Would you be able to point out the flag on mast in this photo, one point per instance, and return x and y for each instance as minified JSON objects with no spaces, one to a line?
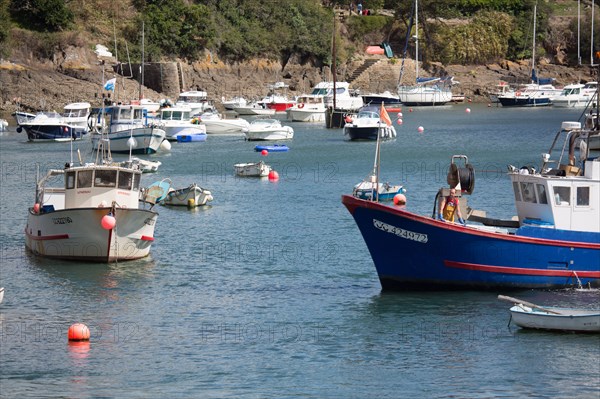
{"x":110,"y":84}
{"x":383,"y":115}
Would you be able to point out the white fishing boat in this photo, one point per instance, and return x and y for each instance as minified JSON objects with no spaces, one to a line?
{"x":268,"y":129}
{"x":177,"y":121}
{"x":94,"y":213}
{"x":130,"y":130}
{"x":308,"y":108}
{"x":255,"y":169}
{"x":576,"y":95}
{"x":528,"y":315}
{"x":197,"y":100}
{"x":190,"y":196}
{"x":216,"y":124}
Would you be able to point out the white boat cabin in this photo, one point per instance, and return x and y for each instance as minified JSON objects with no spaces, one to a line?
{"x":125,"y":117}
{"x":176,"y":114}
{"x":90,"y":186}
{"x":565,"y":196}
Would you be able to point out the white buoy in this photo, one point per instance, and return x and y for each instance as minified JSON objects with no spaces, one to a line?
{"x":165,"y":145}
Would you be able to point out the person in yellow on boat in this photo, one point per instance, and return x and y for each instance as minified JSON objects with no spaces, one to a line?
{"x":449,"y":207}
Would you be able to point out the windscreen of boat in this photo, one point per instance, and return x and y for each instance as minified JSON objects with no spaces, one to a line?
{"x":105,"y":178}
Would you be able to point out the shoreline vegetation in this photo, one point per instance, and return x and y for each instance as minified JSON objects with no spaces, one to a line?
{"x":46,"y":68}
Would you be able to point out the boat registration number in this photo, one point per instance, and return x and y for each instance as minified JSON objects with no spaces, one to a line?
{"x":407,"y":234}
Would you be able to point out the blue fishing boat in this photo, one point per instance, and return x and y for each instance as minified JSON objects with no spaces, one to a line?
{"x":554,"y":242}
{"x":272,"y":148}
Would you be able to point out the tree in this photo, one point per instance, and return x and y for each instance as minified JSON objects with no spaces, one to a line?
{"x":42,"y":15}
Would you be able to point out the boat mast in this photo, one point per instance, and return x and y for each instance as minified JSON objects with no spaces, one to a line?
{"x":141,"y":94}
{"x":579,"y":30}
{"x":416,"y":40}
{"x":333,"y":63}
{"x":533,"y":51}
{"x":592,"y":36}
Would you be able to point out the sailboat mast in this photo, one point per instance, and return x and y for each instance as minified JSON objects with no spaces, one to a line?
{"x":333,"y":62}
{"x":533,"y":51}
{"x":416,"y":39}
{"x":142,"y":65}
{"x":579,"y":30}
{"x":592,"y":36}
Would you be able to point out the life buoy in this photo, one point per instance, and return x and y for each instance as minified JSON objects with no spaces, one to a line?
{"x":300,"y":105}
{"x":518,"y":93}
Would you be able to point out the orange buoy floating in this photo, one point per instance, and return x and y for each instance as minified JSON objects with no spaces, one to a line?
{"x":410,"y":110}
{"x":264,"y":153}
{"x":468,"y":110}
{"x":400,"y":115}
{"x":420,"y":129}
{"x":36,"y":207}
{"x":273,"y":175}
{"x":79,"y":332}
{"x":399,"y":199}
{"x":108,"y":222}
{"x":399,"y":121}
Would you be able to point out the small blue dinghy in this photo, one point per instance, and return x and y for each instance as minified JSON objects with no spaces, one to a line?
{"x":272,"y":148}
{"x":188,"y":138}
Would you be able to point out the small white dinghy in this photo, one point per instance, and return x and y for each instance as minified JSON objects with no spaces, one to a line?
{"x":528,"y":315}
{"x":191,"y":196}
{"x":256,"y":169}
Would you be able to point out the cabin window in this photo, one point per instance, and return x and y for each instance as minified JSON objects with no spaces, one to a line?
{"x":583,"y":196}
{"x":125,"y":113}
{"x":562,"y":195}
{"x":176,"y":115}
{"x":125,"y":180}
{"x":136,"y":181}
{"x":138,"y":113}
{"x":528,"y":192}
{"x":70,"y":181}
{"x":105,"y":178}
{"x":84,"y":179}
{"x":541,"y":192}
{"x":517,"y":192}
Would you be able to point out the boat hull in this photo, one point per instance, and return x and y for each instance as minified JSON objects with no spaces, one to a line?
{"x":424,"y":96}
{"x":53,"y":132}
{"x":258,"y":169}
{"x":525,"y":101}
{"x":190,"y":196}
{"x":147,"y":140}
{"x":306,"y":115}
{"x":269,"y":135}
{"x":77,"y":234}
{"x":573,"y":320}
{"x":416,"y":252}
{"x":369,"y":132}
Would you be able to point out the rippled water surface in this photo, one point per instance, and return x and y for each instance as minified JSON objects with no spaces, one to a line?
{"x":271,"y":291}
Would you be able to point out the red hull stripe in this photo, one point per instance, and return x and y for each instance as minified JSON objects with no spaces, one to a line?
{"x":44,"y":238}
{"x":523,"y":271}
{"x":147,"y":238}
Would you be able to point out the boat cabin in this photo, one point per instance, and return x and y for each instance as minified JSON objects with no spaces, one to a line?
{"x":90,"y":186}
{"x":565,"y":195}
{"x":77,"y":110}
{"x":176,"y":114}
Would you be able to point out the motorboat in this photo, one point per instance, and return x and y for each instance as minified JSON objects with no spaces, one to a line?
{"x":531,"y":316}
{"x":216,"y":124}
{"x":22,"y":116}
{"x":253,"y":169}
{"x":553,"y":242}
{"x":129,"y":129}
{"x":308,"y":108}
{"x":277,"y":98}
{"x":254,"y":108}
{"x":367,"y":125}
{"x":233,"y":102}
{"x":339,"y":102}
{"x":388,"y":99}
{"x":72,"y":124}
{"x":197,"y":100}
{"x":190,"y":196}
{"x":96,"y":212}
{"x":372,"y":191}
{"x":529,"y":95}
{"x":268,"y":129}
{"x":177,"y":121}
{"x":576,"y":95}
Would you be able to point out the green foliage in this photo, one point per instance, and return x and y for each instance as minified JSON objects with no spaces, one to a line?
{"x":359,"y":27}
{"x":42,"y":15}
{"x":483,"y":40}
{"x":4,"y":17}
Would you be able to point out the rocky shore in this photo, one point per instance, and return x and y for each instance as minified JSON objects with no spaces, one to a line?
{"x":77,"y":75}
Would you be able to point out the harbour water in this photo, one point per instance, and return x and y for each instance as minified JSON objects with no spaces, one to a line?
{"x":270,"y":291}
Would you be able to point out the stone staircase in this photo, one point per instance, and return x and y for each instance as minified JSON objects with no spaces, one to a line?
{"x":368,"y":63}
